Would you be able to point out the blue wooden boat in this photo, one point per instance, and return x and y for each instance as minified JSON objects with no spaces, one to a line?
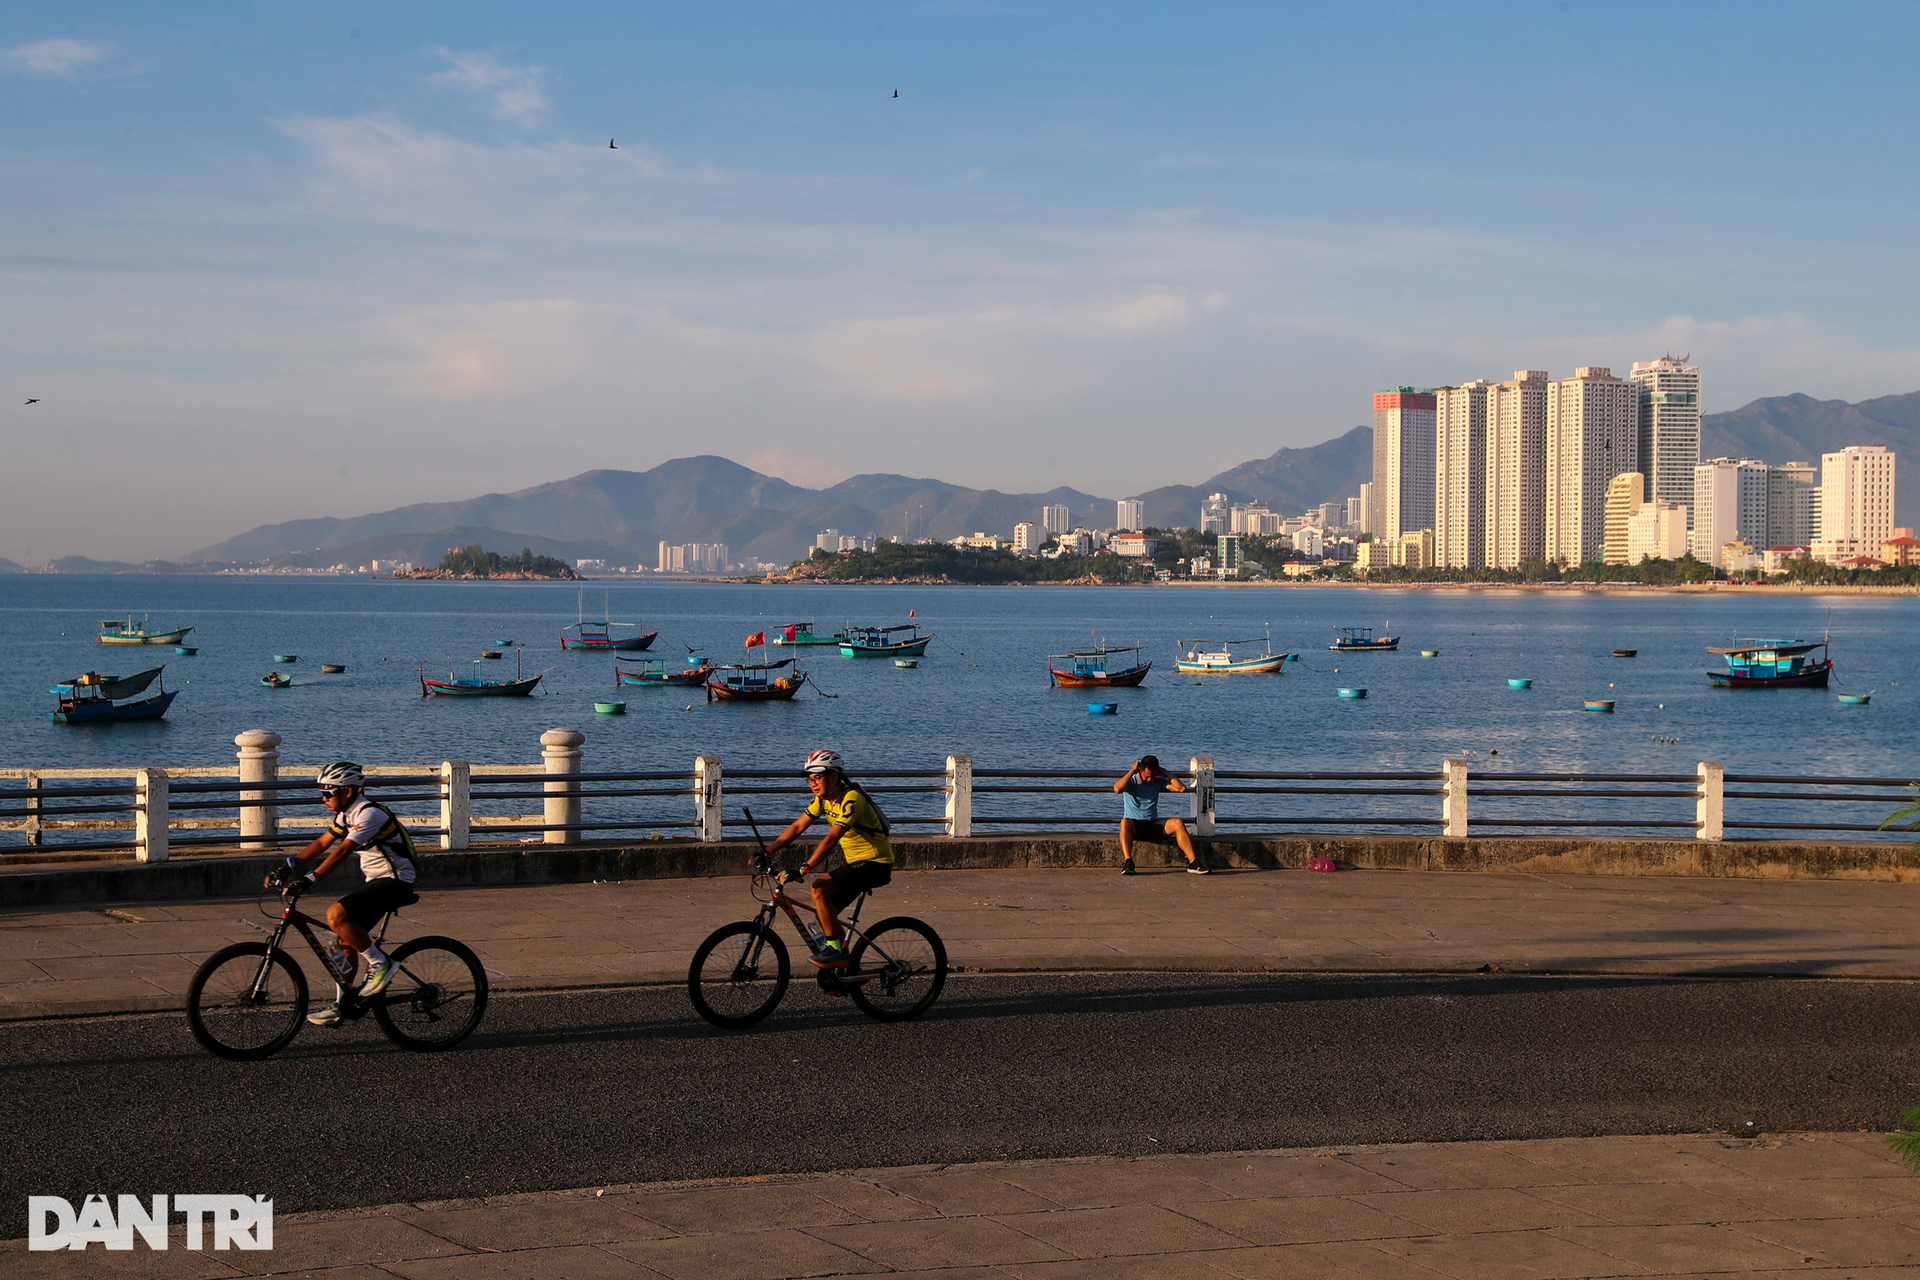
{"x":1362,"y":640}
{"x":1773,"y":664}
{"x":477,"y":687}
{"x":878,"y":642}
{"x":131,"y":632}
{"x":277,"y":680}
{"x":1855,"y":699}
{"x":96,"y":699}
{"x":801,"y":634}
{"x":1351,"y":693}
{"x":1090,"y":669}
{"x":654,"y":672}
{"x":755,"y":682}
{"x":1520,"y":684}
{"x":186,"y":650}
{"x":582,"y":634}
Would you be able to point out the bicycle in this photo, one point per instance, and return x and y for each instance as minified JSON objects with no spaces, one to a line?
{"x":248,"y":1001}
{"x":727,"y":986}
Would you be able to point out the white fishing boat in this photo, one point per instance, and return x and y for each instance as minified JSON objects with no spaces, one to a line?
{"x":1199,"y":657}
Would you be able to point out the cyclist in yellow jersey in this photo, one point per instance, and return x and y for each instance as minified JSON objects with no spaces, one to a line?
{"x":855,"y":825}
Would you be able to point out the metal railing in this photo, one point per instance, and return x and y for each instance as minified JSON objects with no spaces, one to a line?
{"x":151,"y":811}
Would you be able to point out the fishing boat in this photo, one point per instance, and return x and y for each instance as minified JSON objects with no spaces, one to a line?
{"x":115,"y":631}
{"x":582,"y":634}
{"x":1362,"y":640}
{"x":1094,"y":668}
{"x":755,"y":681}
{"x":879,"y":642}
{"x":1626,"y":653}
{"x":96,"y":699}
{"x":276,"y":680}
{"x":656,"y":673}
{"x":1599,"y":704}
{"x":1773,"y":664}
{"x":801,"y":634}
{"x":1229,"y":656}
{"x":475,"y":686}
{"x":333,"y":668}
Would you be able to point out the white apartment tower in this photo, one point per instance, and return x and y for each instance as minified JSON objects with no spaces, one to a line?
{"x":1591,"y":433}
{"x":1856,"y":501}
{"x":1460,"y":475}
{"x":1213,"y":513}
{"x":1515,"y":494}
{"x":1055,"y":519}
{"x":1130,"y":515}
{"x":1668,"y":444}
{"x":1790,"y":505}
{"x":1027,"y":538}
{"x":1730,"y":502}
{"x":1403,"y":465}
{"x":1624,"y":501}
{"x":1361,"y":508}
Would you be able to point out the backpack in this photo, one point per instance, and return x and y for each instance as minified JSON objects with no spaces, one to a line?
{"x":886,"y":823}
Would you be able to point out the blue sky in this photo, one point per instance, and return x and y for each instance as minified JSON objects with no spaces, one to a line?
{"x":270,"y":261}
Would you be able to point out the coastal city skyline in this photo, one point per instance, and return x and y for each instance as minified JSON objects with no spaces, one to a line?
{"x":317,"y":265}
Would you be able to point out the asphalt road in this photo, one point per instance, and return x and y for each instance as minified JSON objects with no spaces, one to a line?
{"x":605,"y":1088}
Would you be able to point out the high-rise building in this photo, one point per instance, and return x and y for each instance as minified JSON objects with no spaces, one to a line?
{"x":673,"y":559}
{"x":1590,"y":440}
{"x":1403,"y":460}
{"x":1790,"y":506}
{"x":1624,"y":500}
{"x":1226,"y":558}
{"x":1130,"y":515}
{"x":1516,"y":486}
{"x":1856,"y":502}
{"x":1360,"y":509}
{"x":1460,"y":475}
{"x":1657,"y":531}
{"x":1310,"y":542}
{"x":1055,"y":519}
{"x":1355,"y":519}
{"x":1331,"y":514}
{"x":1244,"y":517}
{"x":1730,"y":505}
{"x":1667,"y":434}
{"x":1214,"y":513}
{"x":1027,"y":538}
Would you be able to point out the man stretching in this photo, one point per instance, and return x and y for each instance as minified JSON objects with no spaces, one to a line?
{"x":386,"y":860}
{"x":855,"y":825}
{"x":1139,"y":789}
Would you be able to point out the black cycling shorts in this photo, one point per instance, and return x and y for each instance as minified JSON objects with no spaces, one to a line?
{"x":366,"y":906}
{"x":854,"y":879}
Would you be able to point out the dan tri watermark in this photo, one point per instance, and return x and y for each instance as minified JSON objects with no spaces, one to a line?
{"x":239,"y":1222}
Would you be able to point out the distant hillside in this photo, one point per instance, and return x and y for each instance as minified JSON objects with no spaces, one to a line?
{"x":1789,"y":428}
{"x":8,"y":566}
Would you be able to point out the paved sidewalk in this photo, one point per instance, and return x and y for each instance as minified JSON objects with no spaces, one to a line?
{"x":1804,"y":1205}
{"x":140,"y":956}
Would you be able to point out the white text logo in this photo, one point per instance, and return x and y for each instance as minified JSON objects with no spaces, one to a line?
{"x":239,"y":1222}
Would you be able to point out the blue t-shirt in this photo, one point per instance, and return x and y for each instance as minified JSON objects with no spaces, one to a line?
{"x":1141,"y":800}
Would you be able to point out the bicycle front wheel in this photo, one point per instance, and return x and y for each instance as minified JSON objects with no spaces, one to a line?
{"x":246,"y":1002}
{"x":911,"y":962}
{"x":437,"y":996}
{"x":738,"y":975}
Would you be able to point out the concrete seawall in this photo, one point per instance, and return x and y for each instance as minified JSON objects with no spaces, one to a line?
{"x":234,"y":874}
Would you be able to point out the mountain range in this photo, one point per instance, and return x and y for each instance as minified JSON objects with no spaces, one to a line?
{"x":621,"y":516}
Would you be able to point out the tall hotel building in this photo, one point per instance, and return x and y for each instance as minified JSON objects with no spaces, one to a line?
{"x":1460,"y":476}
{"x":1591,"y":438}
{"x":1856,"y":502}
{"x":1668,"y":435}
{"x":1515,"y":494}
{"x":1130,"y":515}
{"x":1402,"y":495}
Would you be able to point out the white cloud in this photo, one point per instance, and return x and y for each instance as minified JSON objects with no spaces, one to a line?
{"x":54,"y":57}
{"x":498,"y":348}
{"x":517,"y":92}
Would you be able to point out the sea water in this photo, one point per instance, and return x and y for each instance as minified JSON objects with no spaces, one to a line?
{"x":982,"y":688}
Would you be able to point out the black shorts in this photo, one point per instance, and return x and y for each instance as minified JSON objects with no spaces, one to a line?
{"x":854,"y":879}
{"x":1151,"y":830}
{"x":366,"y":906}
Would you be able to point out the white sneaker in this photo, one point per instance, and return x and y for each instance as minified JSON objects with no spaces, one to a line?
{"x":377,"y":978}
{"x":325,"y":1016}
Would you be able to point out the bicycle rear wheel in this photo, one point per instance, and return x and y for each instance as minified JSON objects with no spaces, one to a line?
{"x":243,"y":1006}
{"x":738,"y":975}
{"x":912,"y":963}
{"x":437,"y":996}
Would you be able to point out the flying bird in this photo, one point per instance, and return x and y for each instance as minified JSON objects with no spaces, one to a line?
{"x":896,"y":93}
{"x":610,"y":145}
{"x":35,"y":400}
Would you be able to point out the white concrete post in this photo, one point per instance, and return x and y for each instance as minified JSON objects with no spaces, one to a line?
{"x":1710,"y":810}
{"x":1202,"y":795}
{"x":33,"y":807}
{"x":259,"y":762}
{"x":150,"y":824}
{"x":560,"y":749}
{"x":1454,"y":807}
{"x":456,"y":803}
{"x":959,"y":795}
{"x":707,"y":796}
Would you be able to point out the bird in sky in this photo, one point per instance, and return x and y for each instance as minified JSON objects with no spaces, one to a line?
{"x":35,"y":400}
{"x":610,"y":145}
{"x":896,"y":93}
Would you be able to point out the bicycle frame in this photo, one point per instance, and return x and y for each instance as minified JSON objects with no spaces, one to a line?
{"x":292,"y":917}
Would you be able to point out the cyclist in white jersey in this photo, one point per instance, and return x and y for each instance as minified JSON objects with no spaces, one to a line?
{"x":386,"y":860}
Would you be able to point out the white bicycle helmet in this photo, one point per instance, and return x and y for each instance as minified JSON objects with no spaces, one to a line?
{"x":824,"y":759}
{"x":341,"y":773}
